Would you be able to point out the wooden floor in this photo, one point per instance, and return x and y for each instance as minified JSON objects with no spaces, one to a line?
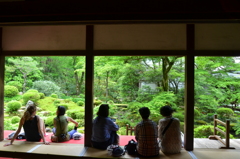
{"x":214,"y":144}
{"x":203,"y":149}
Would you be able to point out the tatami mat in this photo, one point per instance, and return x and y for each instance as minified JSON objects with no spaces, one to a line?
{"x":60,"y":149}
{"x":18,"y":146}
{"x":216,"y":153}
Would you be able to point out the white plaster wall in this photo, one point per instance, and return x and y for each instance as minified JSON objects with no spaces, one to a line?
{"x":62,"y":37}
{"x":140,"y":37}
{"x":217,"y":36}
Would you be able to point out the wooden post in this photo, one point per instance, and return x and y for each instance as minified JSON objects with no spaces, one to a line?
{"x":89,"y":86}
{"x":127,"y":129}
{"x":2,"y":64}
{"x":215,"y":125}
{"x":227,"y":133}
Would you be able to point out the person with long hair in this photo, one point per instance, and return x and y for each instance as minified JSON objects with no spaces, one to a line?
{"x":104,"y":129}
{"x":60,"y":129}
{"x":33,"y":126}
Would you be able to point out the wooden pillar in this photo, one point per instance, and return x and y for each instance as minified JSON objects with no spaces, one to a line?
{"x":89,"y":86}
{"x":1,"y":89}
{"x":189,"y":89}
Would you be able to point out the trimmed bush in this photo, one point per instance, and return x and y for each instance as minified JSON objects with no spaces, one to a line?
{"x":13,"y":106}
{"x":16,"y":84}
{"x":15,"y":120}
{"x":46,"y":87}
{"x":64,"y":104}
{"x":97,"y":102}
{"x":75,"y":114}
{"x":9,"y":126}
{"x":57,"y":102}
{"x":80,"y":103}
{"x":10,"y":91}
{"x":31,"y":95}
{"x":225,"y":112}
{"x":42,"y":95}
{"x":53,"y":95}
{"x":49,"y":121}
{"x":67,"y":100}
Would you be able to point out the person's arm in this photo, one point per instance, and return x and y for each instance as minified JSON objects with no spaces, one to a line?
{"x":40,"y":124}
{"x":17,"y":132}
{"x":160,"y":130}
{"x":73,"y":121}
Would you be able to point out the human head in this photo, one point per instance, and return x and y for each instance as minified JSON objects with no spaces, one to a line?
{"x":30,"y":111}
{"x":103,"y":110}
{"x":166,"y":110}
{"x":144,"y":112}
{"x":61,"y":110}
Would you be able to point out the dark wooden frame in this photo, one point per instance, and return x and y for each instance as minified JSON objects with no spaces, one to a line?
{"x":189,"y":54}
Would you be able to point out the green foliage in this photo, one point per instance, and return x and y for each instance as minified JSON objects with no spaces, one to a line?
{"x":97,"y":102}
{"x":53,"y":95}
{"x":196,"y":113}
{"x":162,"y":99}
{"x":71,"y":126}
{"x":75,"y":100}
{"x":180,"y":116}
{"x":16,"y":84}
{"x":64,"y":105}
{"x":75,"y":114}
{"x":204,"y":131}
{"x":42,"y":95}
{"x":236,"y":127}
{"x":49,"y":121}
{"x":57,"y":102}
{"x":15,"y":120}
{"x":134,"y":107}
{"x":225,"y":112}
{"x":46,"y":87}
{"x":10,"y":91}
{"x":17,"y":98}
{"x":32,"y":95}
{"x":67,"y":100}
{"x":80,"y":103}
{"x":201,"y":122}
{"x":9,"y":126}
{"x":13,"y":106}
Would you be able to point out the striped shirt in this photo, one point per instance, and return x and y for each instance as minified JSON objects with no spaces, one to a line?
{"x":146,"y":134}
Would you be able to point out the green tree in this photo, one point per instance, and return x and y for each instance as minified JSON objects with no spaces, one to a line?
{"x":26,"y":65}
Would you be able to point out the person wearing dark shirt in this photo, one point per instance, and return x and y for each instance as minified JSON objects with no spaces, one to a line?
{"x":104,"y":129}
{"x":32,"y":125}
{"x":146,"y":134}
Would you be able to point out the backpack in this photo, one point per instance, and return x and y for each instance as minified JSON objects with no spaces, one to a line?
{"x":131,"y":147}
{"x":115,"y":151}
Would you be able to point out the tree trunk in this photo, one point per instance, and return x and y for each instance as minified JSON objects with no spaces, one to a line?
{"x":77,"y":83}
{"x":81,"y":82}
{"x":107,"y":83}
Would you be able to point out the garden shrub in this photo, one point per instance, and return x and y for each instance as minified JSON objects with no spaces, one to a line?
{"x":179,"y":116}
{"x":33,"y":90}
{"x":49,"y":121}
{"x":64,"y":105}
{"x":124,"y":122}
{"x":196,"y":113}
{"x":46,"y":87}
{"x":15,"y":120}
{"x":75,"y":114}
{"x":67,"y":100}
{"x":53,"y":95}
{"x":42,"y":95}
{"x":225,"y":112}
{"x":71,"y":126}
{"x":9,"y":126}
{"x":201,"y":122}
{"x":97,"y":102}
{"x":75,"y":100}
{"x":162,"y":99}
{"x":134,"y":107}
{"x":10,"y":91}
{"x":17,"y":97}
{"x":16,"y":84}
{"x":32,"y":95}
{"x":57,"y":102}
{"x":80,"y":103}
{"x":13,"y":106}
{"x":204,"y":131}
